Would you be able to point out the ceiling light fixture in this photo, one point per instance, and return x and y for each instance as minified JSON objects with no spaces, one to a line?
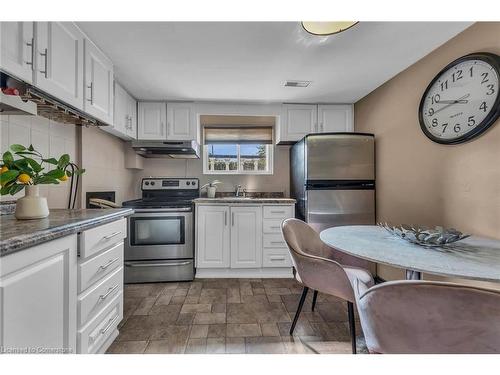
{"x":297,"y":83}
{"x":327,"y":28}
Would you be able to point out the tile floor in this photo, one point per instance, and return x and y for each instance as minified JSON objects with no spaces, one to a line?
{"x":230,"y":316}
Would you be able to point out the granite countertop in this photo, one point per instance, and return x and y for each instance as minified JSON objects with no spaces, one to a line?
{"x":17,"y":235}
{"x":232,"y":200}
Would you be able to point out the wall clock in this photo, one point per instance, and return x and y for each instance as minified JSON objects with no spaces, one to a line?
{"x":462,"y":101}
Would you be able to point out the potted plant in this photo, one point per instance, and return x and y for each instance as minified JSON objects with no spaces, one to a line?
{"x":211,"y":188}
{"x":25,"y":168}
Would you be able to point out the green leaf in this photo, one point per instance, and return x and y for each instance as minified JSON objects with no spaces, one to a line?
{"x":8,"y":176}
{"x":7,"y":157}
{"x":16,"y":188}
{"x":52,"y":161}
{"x":27,"y":153}
{"x":31,"y":148}
{"x":55,"y":173}
{"x":5,"y":190}
{"x":68,"y":173}
{"x":79,"y":172}
{"x":36,"y":167}
{"x":17,"y":148}
{"x":23,"y":164}
{"x":63,"y":161}
{"x":47,"y":180}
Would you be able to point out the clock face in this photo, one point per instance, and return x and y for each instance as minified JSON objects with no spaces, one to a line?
{"x":463,"y":100}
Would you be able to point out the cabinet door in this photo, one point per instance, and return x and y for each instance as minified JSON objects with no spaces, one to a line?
{"x":98,"y":84}
{"x":246,"y":237}
{"x":132,"y":111}
{"x":151,"y":120}
{"x":38,"y":296}
{"x":17,"y":50}
{"x":298,"y":120}
{"x":180,"y":122}
{"x":335,"y":118}
{"x":59,"y":61}
{"x":121,"y":110}
{"x":212,"y":237}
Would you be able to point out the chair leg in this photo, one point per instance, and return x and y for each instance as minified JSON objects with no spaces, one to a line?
{"x":352,"y":325}
{"x":315,"y":296}
{"x":299,"y":309}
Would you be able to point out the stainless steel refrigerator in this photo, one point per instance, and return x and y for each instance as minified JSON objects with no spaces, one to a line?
{"x":333,"y":179}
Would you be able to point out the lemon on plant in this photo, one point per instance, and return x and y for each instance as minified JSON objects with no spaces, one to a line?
{"x":24,"y":178}
{"x":4,"y":169}
{"x":63,"y":178}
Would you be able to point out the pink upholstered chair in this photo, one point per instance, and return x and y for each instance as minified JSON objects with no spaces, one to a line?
{"x":315,"y":268}
{"x":429,"y":317}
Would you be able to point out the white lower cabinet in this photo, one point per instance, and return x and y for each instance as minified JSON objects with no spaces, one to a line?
{"x":38,"y":298}
{"x":233,"y":240}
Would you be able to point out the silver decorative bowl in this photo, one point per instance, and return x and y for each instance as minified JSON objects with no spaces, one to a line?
{"x":425,"y":236}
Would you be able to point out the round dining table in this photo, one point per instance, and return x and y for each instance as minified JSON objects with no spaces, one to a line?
{"x":476,"y":258}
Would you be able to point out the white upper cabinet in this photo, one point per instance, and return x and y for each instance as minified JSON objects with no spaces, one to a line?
{"x":297,"y":120}
{"x":125,"y":114}
{"x":246,"y":237}
{"x":335,"y":118}
{"x":180,"y":122}
{"x":212,"y":237}
{"x":59,"y":61}
{"x":151,"y":121}
{"x":98,"y":84}
{"x":17,"y":50}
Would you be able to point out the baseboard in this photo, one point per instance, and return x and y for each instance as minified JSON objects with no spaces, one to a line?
{"x":240,"y":273}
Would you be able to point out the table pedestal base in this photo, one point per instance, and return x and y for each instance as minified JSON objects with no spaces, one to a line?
{"x":413,"y":275}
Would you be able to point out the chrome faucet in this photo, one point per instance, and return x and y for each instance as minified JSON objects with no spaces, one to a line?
{"x":238,"y":191}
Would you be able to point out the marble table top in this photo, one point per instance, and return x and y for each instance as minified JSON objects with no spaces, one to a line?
{"x":16,"y":235}
{"x":475,"y":258}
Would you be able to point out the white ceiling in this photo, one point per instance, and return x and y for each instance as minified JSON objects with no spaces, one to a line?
{"x":249,"y":61}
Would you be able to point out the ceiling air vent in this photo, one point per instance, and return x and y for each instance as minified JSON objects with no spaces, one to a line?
{"x":297,"y":83}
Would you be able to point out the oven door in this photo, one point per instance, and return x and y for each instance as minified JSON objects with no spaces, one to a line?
{"x":160,"y":234}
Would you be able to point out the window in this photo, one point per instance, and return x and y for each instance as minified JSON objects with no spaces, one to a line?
{"x":242,"y":150}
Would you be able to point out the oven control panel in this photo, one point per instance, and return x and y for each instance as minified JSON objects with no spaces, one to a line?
{"x":158,"y":183}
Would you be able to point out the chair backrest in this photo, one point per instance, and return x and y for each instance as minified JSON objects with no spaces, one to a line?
{"x":312,"y":261}
{"x":429,"y":317}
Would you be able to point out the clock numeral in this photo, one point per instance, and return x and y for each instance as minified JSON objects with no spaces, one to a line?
{"x":435,"y":98}
{"x":431,"y":111}
{"x":457,"y":75}
{"x":471,"y":121}
{"x":445,"y":125}
{"x":485,"y":77}
{"x":434,"y":123}
{"x":470,"y":70}
{"x":483,"y":106}
{"x":457,"y":128}
{"x":444,"y":85}
{"x":491,"y":89}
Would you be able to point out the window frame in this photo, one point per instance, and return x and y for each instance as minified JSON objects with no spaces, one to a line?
{"x":239,"y":171}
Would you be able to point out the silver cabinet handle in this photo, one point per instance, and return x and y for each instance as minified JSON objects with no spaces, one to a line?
{"x":166,"y":264}
{"x":168,"y":127}
{"x":225,"y":218}
{"x":112,"y":235}
{"x":44,"y":54}
{"x":31,"y":44}
{"x":276,"y":258}
{"x":162,"y":124}
{"x":321,"y":127}
{"x":277,"y":242}
{"x":274,"y":227}
{"x":105,"y":329}
{"x":91,"y":87}
{"x":102,"y":297}
{"x":103,"y":267}
{"x":232,"y":219}
{"x":277,"y":212}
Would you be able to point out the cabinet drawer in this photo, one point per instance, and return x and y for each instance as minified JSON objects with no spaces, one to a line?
{"x":96,"y":268}
{"x":94,"y":334}
{"x":278,"y":212}
{"x":91,"y":302}
{"x":272,"y":225}
{"x":96,"y":239}
{"x":278,"y":257}
{"x":274,"y":240}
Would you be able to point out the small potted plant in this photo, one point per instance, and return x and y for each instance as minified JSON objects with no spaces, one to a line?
{"x":25,"y":168}
{"x":211,"y":188}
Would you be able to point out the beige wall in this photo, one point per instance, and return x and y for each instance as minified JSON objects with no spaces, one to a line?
{"x":419,"y":181}
{"x":278,"y":181}
{"x":103,"y":157}
{"x":52,"y":139}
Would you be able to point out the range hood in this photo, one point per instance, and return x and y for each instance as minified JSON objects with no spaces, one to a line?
{"x":165,"y":149}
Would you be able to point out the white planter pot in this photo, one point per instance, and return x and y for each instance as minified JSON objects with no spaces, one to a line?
{"x":31,"y":206}
{"x":211,"y":191}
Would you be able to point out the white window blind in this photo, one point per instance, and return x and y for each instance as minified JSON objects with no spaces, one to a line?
{"x":238,"y":135}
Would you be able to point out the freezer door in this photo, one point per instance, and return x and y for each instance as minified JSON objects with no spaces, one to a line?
{"x":340,"y":157}
{"x":331,"y":208}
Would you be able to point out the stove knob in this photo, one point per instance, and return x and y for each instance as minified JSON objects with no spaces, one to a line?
{"x":188,"y":183}
{"x":146,"y":183}
{"x":193,"y":183}
{"x":152,"y":183}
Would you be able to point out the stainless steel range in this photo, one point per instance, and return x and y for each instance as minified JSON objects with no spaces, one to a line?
{"x":160,"y":245}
